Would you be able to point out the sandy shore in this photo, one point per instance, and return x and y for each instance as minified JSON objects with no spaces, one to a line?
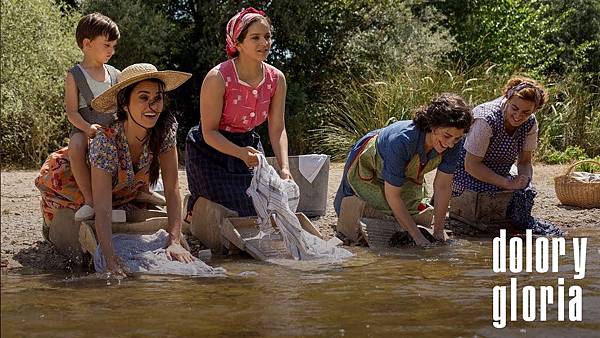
{"x":24,"y":246}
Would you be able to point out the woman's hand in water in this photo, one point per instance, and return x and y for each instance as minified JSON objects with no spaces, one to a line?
{"x":115,"y":267}
{"x":175,"y":251}
{"x":420,"y":240}
{"x":439,"y":235}
{"x":249,"y":156}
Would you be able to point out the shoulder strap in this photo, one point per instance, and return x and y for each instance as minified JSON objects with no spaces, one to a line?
{"x":112,"y":72}
{"x":82,"y":85}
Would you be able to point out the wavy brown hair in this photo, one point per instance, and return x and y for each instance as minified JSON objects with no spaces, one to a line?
{"x":527,"y":89}
{"x":446,"y":110}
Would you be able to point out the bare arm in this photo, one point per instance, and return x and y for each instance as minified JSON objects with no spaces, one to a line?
{"x":168,"y":167}
{"x":72,"y":104}
{"x":524,"y":166}
{"x":102,"y":192}
{"x":211,"y":108}
{"x":442,"y":187}
{"x":475,"y":167}
{"x":394,"y":199}
{"x":277,"y":132}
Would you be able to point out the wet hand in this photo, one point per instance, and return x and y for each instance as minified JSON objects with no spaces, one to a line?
{"x":420,"y":240}
{"x":177,"y":252}
{"x":249,"y":156}
{"x":285,"y":174}
{"x":116,"y":268}
{"x":440,"y":235}
{"x":93,"y":130}
{"x":517,"y":182}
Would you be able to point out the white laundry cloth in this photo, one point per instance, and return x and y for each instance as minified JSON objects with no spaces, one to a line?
{"x":146,"y":254}
{"x":270,"y":196}
{"x":310,"y":165}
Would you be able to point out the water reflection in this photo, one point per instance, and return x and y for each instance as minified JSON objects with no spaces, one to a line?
{"x":432,"y":292}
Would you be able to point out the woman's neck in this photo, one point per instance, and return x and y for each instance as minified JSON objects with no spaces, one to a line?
{"x":248,"y":70}
{"x":136,"y":135}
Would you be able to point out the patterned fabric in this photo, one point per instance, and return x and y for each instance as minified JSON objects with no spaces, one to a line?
{"x":147,"y":254}
{"x":245,"y":107}
{"x":236,"y":25}
{"x":478,"y":139}
{"x":519,"y":211}
{"x":108,"y":151}
{"x":219,"y":177}
{"x":363,"y":176}
{"x":272,"y":195}
{"x":502,"y":152}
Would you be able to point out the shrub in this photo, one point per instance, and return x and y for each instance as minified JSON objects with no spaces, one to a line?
{"x":38,"y":46}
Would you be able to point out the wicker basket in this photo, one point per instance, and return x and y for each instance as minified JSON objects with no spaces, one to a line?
{"x":573,"y":192}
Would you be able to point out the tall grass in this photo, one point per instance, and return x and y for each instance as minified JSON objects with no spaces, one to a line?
{"x":571,"y":117}
{"x":366,"y":104}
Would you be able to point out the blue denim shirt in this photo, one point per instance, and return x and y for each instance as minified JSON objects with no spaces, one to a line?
{"x":399,"y":142}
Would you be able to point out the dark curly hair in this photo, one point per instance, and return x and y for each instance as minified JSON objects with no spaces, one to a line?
{"x":157,"y":134}
{"x":446,"y":110}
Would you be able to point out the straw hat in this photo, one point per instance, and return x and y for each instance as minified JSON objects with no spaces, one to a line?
{"x":107,"y":101}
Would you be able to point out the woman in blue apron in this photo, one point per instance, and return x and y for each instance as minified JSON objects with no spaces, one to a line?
{"x":386,"y":167}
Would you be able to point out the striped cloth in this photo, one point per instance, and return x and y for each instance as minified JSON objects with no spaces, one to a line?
{"x":273,"y":195}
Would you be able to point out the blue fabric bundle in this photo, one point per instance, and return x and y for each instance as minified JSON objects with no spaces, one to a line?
{"x":519,"y":211}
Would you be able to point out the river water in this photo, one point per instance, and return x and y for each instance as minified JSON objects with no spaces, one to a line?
{"x":443,"y":291}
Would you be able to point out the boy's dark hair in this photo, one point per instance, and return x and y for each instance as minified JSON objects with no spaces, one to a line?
{"x":446,"y":110}
{"x":94,"y":25}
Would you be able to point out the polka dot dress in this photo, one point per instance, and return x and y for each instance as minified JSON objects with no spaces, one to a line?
{"x":502,"y":151}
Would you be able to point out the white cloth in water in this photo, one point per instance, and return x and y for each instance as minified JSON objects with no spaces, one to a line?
{"x":270,"y":196}
{"x":146,"y":254}
{"x":310,"y":165}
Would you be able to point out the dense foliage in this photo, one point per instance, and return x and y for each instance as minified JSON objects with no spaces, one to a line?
{"x":349,"y":64}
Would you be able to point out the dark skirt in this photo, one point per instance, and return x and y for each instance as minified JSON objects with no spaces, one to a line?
{"x":219,"y":177}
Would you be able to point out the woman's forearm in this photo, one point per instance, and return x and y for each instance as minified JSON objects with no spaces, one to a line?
{"x":481,"y":172}
{"x":174,"y":213}
{"x":279,"y":142}
{"x":216,"y":140}
{"x":442,"y":193}
{"x":403,"y":217}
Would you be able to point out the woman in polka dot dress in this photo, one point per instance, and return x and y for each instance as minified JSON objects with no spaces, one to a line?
{"x":504,"y":132}
{"x":237,"y":96}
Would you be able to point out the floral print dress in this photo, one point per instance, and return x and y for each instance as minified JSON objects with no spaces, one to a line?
{"x":108,"y":151}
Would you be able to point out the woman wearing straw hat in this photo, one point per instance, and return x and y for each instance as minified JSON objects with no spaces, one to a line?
{"x":237,"y":96}
{"x":124,"y":158}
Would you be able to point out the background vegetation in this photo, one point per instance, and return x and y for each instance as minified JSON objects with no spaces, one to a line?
{"x":350,"y":64}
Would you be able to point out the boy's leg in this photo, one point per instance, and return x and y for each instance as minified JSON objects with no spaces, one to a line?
{"x":78,"y":144}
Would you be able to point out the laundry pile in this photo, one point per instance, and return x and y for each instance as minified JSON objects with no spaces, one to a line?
{"x":519,"y":211}
{"x":272,"y":195}
{"x":146,"y":254}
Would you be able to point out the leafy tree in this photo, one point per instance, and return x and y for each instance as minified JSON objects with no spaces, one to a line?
{"x":38,"y":46}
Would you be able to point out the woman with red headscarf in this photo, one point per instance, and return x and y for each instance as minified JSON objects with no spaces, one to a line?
{"x":237,"y":96}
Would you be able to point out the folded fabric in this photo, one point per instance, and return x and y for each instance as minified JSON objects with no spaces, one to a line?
{"x":310,"y":165}
{"x":146,"y":254}
{"x":270,"y":196}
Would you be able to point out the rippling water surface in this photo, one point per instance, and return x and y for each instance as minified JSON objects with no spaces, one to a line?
{"x":433,"y":292}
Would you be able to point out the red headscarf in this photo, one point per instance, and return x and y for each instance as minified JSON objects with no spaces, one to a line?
{"x":236,"y":25}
